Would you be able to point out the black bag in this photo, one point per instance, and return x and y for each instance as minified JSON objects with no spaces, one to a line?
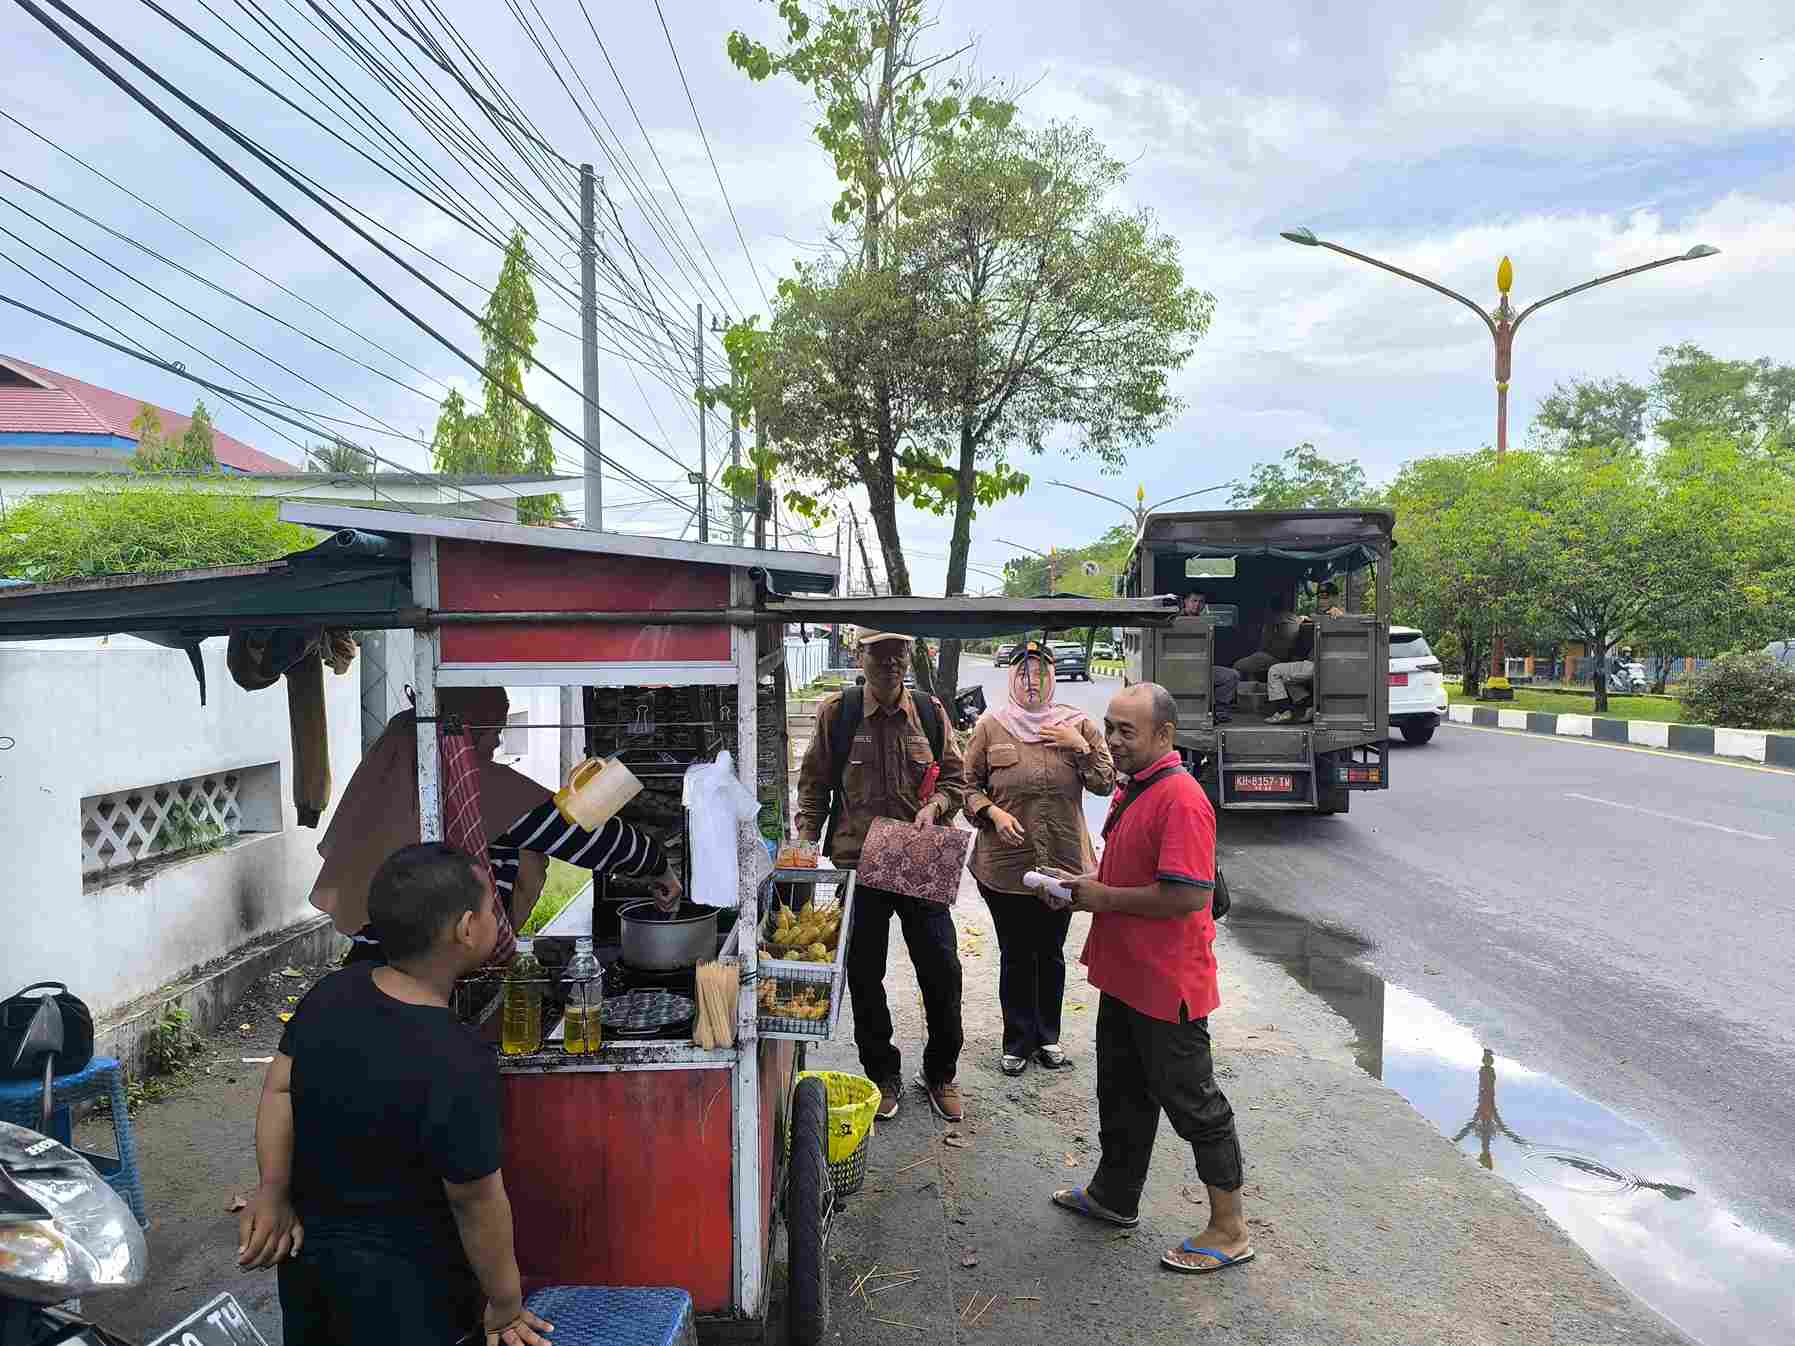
{"x":1219,"y":901}
{"x":77,"y":1032}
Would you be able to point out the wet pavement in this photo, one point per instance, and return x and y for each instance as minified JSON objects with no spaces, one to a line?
{"x":1634,"y":1203}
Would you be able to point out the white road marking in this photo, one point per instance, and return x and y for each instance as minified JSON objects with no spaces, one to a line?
{"x":1669,"y":817}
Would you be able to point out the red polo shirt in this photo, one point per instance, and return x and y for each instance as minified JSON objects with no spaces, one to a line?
{"x":1157,"y":965}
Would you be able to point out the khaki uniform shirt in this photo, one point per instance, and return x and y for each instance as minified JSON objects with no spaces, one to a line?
{"x":886,"y":765}
{"x":1043,"y":786}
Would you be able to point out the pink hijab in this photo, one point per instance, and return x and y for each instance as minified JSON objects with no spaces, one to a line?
{"x":1031,"y":707}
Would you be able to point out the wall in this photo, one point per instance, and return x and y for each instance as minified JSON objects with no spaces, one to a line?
{"x":90,"y":718}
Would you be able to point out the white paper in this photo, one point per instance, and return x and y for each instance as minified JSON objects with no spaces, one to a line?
{"x":719,"y":809}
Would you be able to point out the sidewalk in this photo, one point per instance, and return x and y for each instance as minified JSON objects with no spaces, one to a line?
{"x":1369,"y":1226}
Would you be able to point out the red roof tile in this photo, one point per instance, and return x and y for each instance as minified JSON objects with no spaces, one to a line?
{"x":66,"y":405}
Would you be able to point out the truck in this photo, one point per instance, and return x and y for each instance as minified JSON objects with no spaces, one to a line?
{"x":1254,"y":568}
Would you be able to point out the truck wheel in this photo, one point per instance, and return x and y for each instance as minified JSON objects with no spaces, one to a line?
{"x":1335,"y":799}
{"x":1417,"y":733}
{"x":808,"y":1197}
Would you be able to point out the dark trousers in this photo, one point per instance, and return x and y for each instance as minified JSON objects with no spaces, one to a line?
{"x":1031,"y":978}
{"x":351,"y":1287}
{"x":933,"y":942}
{"x":1145,"y":1065}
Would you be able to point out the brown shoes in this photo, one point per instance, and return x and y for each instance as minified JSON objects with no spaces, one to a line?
{"x":944,"y":1098}
{"x":891,"y":1093}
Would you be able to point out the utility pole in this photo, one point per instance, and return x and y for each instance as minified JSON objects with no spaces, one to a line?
{"x":704,"y":464}
{"x":761,"y":493}
{"x":572,"y":739}
{"x":872,"y":585}
{"x":735,"y":445}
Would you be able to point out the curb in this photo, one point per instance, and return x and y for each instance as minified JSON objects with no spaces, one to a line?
{"x":1698,"y":740}
{"x":210,"y":994}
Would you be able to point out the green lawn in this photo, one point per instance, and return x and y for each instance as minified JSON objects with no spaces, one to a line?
{"x":561,"y":887}
{"x":1666,"y":709}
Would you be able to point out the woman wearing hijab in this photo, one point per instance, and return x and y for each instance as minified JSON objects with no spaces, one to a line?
{"x":378,"y":815}
{"x":1027,"y":767}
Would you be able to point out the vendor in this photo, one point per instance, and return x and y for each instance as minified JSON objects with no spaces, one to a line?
{"x":378,"y":815}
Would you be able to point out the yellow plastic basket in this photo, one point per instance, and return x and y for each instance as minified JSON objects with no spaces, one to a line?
{"x":853,"y":1103}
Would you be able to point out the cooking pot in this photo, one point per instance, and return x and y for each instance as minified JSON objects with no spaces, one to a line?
{"x":657,"y":941}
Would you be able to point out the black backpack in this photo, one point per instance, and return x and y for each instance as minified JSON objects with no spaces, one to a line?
{"x":847,"y":725}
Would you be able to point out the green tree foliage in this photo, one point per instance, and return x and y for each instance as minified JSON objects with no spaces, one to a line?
{"x":157,"y":454}
{"x":340,"y":459}
{"x":142,"y":526}
{"x":1090,"y":571}
{"x":1741,"y":691}
{"x":1609,"y":414}
{"x":504,"y":438}
{"x":1304,"y":480}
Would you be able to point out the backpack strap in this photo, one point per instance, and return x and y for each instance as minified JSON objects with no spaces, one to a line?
{"x":1136,"y":788}
{"x":841,"y":743}
{"x":928,"y":710}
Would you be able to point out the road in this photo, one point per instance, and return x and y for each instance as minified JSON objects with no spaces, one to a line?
{"x":1621,"y":920}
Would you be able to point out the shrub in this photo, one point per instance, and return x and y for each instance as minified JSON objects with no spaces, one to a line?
{"x":142,"y":526}
{"x":1741,"y":691}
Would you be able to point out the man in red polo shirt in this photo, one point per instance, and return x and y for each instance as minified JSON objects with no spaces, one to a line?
{"x":1150,"y":954}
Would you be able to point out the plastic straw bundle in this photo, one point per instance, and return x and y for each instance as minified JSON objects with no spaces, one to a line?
{"x":717,"y":987}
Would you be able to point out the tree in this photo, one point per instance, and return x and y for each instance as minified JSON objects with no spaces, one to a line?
{"x":503,"y":438}
{"x":340,"y":458}
{"x":142,"y":526}
{"x":1304,"y":480}
{"x":1052,"y":317}
{"x":155,"y":453}
{"x":1467,"y":534}
{"x":1089,"y":572}
{"x":1579,"y":413}
{"x":1750,"y":401}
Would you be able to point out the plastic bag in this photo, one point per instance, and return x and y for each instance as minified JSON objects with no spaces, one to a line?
{"x":720,"y":815}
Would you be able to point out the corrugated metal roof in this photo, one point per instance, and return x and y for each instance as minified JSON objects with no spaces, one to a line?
{"x":63,"y":399}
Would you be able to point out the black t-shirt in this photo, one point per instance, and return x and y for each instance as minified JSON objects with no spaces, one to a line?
{"x":390,"y":1100}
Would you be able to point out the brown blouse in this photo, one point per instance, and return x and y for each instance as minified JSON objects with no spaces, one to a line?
{"x":1043,"y":786}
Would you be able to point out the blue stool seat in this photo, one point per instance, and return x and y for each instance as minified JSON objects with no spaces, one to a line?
{"x":603,"y":1315}
{"x":103,"y":1077}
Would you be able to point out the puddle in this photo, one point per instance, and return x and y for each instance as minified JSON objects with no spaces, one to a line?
{"x":1631,"y":1201}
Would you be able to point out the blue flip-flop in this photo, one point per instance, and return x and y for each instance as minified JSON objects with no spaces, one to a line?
{"x":1080,"y":1204}
{"x":1222,"y":1260}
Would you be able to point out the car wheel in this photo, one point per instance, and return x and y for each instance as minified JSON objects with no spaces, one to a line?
{"x":1417,"y":733}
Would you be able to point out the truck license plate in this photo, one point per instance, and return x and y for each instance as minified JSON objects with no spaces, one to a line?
{"x":220,"y":1323}
{"x":1277,"y":785}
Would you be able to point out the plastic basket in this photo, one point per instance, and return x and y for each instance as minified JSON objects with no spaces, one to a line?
{"x":853,"y":1103}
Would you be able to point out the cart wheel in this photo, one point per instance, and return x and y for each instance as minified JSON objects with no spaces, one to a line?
{"x":809,"y":1197}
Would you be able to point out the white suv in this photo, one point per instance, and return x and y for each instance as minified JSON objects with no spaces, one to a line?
{"x":1417,"y":689}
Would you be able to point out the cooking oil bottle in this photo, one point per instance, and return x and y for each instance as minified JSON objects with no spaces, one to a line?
{"x":585,"y":1001}
{"x":521,"y":1032}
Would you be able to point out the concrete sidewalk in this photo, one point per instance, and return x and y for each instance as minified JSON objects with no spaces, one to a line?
{"x":1369,"y":1226}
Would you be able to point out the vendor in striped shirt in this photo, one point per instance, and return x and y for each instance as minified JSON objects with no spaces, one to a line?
{"x":378,"y":815}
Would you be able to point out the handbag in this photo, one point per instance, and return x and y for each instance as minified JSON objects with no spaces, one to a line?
{"x":921,"y":862}
{"x":16,"y":1014}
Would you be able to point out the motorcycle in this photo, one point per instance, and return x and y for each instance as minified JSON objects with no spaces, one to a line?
{"x":65,"y":1235}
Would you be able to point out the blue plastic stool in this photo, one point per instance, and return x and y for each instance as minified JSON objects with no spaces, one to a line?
{"x":103,"y":1077}
{"x":602,"y":1315}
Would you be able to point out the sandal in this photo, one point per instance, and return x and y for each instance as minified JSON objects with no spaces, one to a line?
{"x":1014,"y":1065}
{"x":1075,"y":1200}
{"x":1221,"y":1263}
{"x":1053,"y":1057}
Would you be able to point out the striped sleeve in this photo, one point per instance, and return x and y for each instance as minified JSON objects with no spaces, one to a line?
{"x":616,"y":847}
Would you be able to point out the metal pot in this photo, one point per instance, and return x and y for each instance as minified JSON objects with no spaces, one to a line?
{"x":657,"y":941}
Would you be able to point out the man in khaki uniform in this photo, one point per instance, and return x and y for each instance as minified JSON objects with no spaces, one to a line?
{"x":844,"y":784}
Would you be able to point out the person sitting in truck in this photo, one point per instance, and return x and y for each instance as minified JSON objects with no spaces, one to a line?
{"x":1227,"y":680}
{"x":1289,"y":686}
{"x":1277,"y":643}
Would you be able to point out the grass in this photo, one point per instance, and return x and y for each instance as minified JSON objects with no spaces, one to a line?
{"x":1664,"y":709}
{"x":561,"y":887}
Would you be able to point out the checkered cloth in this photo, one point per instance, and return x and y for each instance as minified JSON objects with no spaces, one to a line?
{"x":465,"y":829}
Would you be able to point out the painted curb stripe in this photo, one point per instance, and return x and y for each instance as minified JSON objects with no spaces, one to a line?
{"x":1779,"y":749}
{"x":1609,"y":731}
{"x":1697,"y":738}
{"x":1485,"y":716}
{"x":1539,"y":722}
{"x":1746,"y":743}
{"x":1649,"y":733}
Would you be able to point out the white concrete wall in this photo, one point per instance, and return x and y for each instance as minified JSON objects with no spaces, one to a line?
{"x":88,"y":719}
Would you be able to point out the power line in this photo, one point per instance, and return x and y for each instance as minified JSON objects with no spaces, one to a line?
{"x":740,"y":236}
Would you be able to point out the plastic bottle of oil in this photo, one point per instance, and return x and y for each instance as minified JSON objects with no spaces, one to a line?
{"x":521,"y":1032}
{"x":585,"y":1001}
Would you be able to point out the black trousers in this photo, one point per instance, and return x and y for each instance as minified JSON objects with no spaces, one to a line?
{"x":351,"y":1287}
{"x":933,"y":942}
{"x":1031,"y":977}
{"x":1146,"y":1065}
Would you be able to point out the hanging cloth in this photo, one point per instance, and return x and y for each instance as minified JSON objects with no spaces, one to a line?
{"x":465,"y":829}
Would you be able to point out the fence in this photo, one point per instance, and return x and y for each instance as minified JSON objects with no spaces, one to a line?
{"x":805,"y":660}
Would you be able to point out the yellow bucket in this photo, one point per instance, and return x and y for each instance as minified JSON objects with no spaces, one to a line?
{"x":853,"y":1103}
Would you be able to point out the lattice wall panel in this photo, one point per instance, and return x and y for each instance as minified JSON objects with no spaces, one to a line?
{"x":131,"y":825}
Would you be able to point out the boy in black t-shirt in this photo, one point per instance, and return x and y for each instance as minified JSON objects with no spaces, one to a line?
{"x":377,"y":1136}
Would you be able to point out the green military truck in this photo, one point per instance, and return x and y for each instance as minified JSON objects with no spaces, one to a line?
{"x":1256,"y":569}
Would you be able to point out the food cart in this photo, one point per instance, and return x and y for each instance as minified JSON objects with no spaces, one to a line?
{"x":652,"y":1162}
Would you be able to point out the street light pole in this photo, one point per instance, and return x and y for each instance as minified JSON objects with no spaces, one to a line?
{"x":1503,"y":322}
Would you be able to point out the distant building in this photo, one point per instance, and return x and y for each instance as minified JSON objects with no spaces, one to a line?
{"x":54,"y":422}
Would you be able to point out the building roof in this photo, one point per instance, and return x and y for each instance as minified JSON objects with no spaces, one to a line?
{"x":34,"y":400}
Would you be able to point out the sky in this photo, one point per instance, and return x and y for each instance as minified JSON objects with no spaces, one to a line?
{"x":1577,"y":141}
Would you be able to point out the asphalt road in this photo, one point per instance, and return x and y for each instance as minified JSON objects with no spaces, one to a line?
{"x":1619,"y":919}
